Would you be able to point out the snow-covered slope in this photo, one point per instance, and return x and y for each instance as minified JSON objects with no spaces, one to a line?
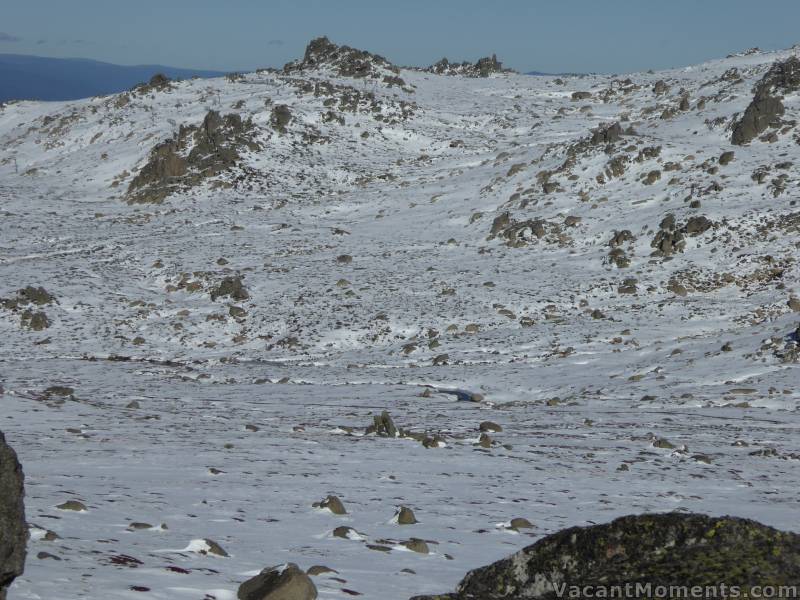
{"x":397,"y":236}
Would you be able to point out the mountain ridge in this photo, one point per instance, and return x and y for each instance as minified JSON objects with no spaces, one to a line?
{"x":30,"y":77}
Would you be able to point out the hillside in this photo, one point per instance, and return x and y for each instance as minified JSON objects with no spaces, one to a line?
{"x":43,"y":78}
{"x":575,"y":297}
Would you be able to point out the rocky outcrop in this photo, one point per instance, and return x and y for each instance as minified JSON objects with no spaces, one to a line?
{"x":482,"y":68}
{"x":194,"y":155}
{"x":672,"y":549}
{"x":608,"y":133}
{"x":284,"y":582}
{"x":13,"y":530}
{"x":344,"y":60}
{"x":767,"y":107}
{"x":158,"y":82}
{"x":671,"y":237}
{"x":26,"y":303}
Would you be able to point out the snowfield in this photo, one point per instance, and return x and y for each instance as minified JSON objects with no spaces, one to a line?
{"x":380,"y":273}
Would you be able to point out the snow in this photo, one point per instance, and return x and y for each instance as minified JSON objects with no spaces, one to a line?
{"x":652,"y":368}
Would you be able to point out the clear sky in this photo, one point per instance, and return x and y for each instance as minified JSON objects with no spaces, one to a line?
{"x":607,"y":36}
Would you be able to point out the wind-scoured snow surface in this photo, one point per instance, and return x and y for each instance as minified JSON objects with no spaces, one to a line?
{"x":610,"y":403}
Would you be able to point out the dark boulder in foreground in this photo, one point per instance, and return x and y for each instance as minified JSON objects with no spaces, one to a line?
{"x":13,"y":530}
{"x":671,"y":549}
{"x":286,"y":582}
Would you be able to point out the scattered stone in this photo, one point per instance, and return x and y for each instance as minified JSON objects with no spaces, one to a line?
{"x":73,"y":505}
{"x":230,"y":287}
{"x":663,"y":443}
{"x":214,"y":548}
{"x":606,"y":134}
{"x":280,"y":117}
{"x":346,"y":533}
{"x":331,"y":503}
{"x":319,"y":570}
{"x":417,"y":545}
{"x":485,"y":441}
{"x":36,"y":321}
{"x":405,"y":516}
{"x":490,"y":426}
{"x":660,"y":87}
{"x":284,"y":582}
{"x":521,"y":523}
{"x":383,"y":425}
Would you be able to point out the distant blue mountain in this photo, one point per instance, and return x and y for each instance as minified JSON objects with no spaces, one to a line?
{"x":38,"y":78}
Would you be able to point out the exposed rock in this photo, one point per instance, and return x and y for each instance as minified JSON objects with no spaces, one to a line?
{"x":214,"y":548}
{"x":346,"y":533}
{"x":783,"y":76}
{"x":283,"y":582}
{"x":195,"y":154}
{"x":23,"y":304}
{"x":621,"y":237}
{"x":767,"y":107}
{"x":521,"y":523}
{"x":73,"y":505}
{"x":36,"y":321}
{"x":333,"y":504}
{"x":158,"y":82}
{"x":697,"y":225}
{"x":660,"y":87}
{"x":760,"y":114}
{"x":35,"y":295}
{"x":344,"y":60}
{"x":482,"y":68}
{"x":280,"y":117}
{"x":417,"y":545}
{"x":319,"y":570}
{"x":383,"y":425}
{"x":13,"y":530}
{"x":628,"y":286}
{"x":607,"y":134}
{"x":230,"y":287}
{"x":405,"y":516}
{"x":656,"y":550}
{"x":671,"y":238}
{"x":500,"y":223}
{"x":490,"y":427}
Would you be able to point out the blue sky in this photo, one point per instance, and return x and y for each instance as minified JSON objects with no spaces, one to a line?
{"x":547,"y":35}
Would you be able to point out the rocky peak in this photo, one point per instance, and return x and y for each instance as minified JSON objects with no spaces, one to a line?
{"x":344,"y":60}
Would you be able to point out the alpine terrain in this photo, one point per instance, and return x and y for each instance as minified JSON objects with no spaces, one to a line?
{"x":384,"y":325}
